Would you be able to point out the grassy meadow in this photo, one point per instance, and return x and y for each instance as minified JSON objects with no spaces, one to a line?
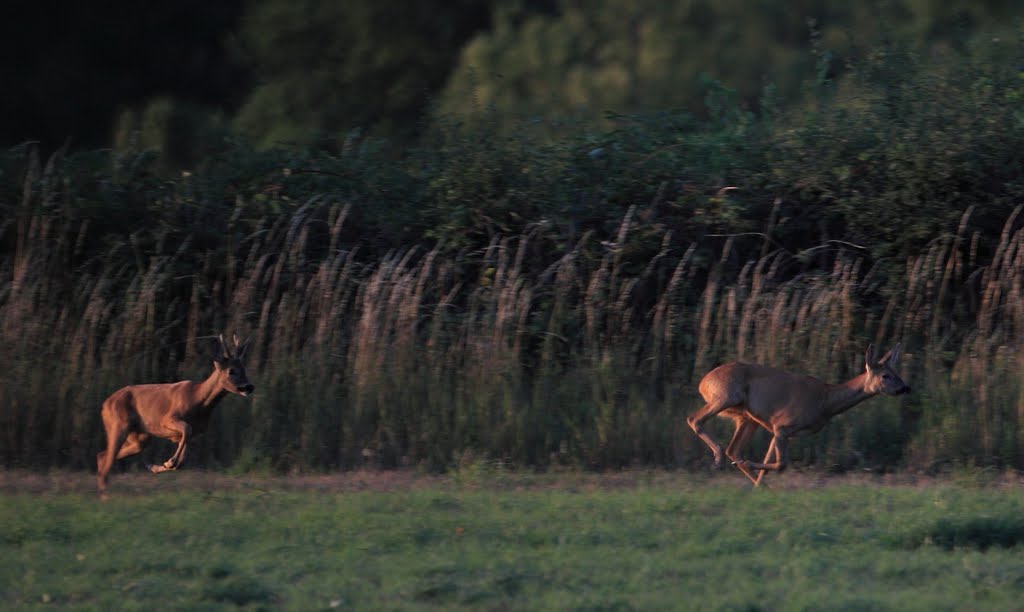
{"x":490,"y":539}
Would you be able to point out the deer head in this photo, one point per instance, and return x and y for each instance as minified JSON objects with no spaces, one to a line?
{"x":231,"y":368}
{"x":882,"y":376}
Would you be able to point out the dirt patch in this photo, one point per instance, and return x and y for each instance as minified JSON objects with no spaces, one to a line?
{"x":23,"y":481}
{"x":141,"y":483}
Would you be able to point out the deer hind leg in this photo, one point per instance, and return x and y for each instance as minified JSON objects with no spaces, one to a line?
{"x":117,"y":432}
{"x":132,"y":445}
{"x":696,"y":423}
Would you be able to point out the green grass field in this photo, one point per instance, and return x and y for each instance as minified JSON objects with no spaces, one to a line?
{"x":494,"y":540}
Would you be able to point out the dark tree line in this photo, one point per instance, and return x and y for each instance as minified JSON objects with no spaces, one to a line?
{"x":70,"y":67}
{"x":282,"y":72}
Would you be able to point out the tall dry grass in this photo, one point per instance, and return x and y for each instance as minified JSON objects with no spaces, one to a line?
{"x":422,"y":358}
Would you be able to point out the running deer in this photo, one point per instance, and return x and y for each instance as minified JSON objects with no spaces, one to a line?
{"x":175,"y":411}
{"x":785,"y":404}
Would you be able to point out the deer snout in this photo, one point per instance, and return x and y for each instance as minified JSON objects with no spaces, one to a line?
{"x":246,"y":389}
{"x":903,"y":390}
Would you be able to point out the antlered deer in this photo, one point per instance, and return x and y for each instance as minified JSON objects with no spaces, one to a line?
{"x":175,"y":411}
{"x":784,"y":404}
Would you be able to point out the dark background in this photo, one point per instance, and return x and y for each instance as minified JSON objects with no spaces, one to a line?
{"x":282,"y":72}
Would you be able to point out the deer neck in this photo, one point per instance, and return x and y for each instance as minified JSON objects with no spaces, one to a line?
{"x":208,"y":392}
{"x":843,"y":396}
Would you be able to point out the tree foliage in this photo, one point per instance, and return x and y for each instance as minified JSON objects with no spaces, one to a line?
{"x":323,"y":69}
{"x":584,"y":60}
{"x":303,"y":72}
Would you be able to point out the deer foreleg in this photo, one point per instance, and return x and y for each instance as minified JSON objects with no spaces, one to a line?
{"x":778,"y":448}
{"x":745,"y":428}
{"x":767,"y":458}
{"x":184,"y":431}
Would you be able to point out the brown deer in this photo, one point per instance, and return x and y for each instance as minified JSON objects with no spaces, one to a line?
{"x":785,"y":404}
{"x":175,"y":411}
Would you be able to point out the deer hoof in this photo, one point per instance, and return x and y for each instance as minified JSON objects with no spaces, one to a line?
{"x":169,"y":465}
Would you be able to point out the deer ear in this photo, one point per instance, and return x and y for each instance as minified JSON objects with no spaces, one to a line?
{"x":869,"y":357}
{"x":893,"y":355}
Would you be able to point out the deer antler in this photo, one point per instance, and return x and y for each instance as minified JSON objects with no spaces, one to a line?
{"x":224,"y":345}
